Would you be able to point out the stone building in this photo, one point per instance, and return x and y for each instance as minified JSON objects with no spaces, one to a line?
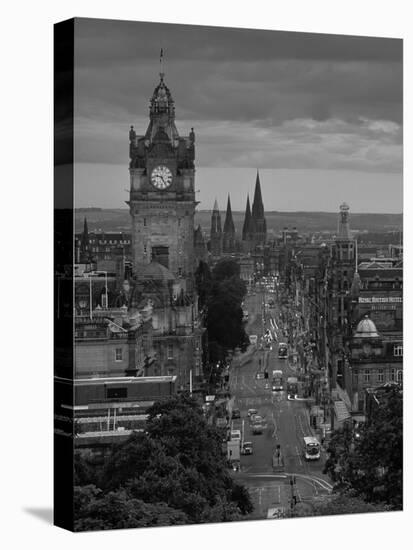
{"x":113,"y":342}
{"x":162,"y":194}
{"x":162,"y":206}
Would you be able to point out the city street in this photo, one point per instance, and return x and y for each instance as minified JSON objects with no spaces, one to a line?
{"x":286,"y":421}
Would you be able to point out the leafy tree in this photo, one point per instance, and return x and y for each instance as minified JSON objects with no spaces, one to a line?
{"x":370,"y":462}
{"x":128,"y":460}
{"x":338,"y":504}
{"x":118,"y":510}
{"x":241,"y":497}
{"x":85,"y":471}
{"x":226,"y":269}
{"x":177,"y":462}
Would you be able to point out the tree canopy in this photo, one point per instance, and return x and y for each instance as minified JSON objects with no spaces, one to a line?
{"x":176,"y":468}
{"x":369,"y":461}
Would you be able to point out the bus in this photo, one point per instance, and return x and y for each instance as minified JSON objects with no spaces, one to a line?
{"x":277,"y":380}
{"x":311,"y":448}
{"x":282,"y":350}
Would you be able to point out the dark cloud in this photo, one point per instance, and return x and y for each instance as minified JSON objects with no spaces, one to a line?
{"x":242,"y":89}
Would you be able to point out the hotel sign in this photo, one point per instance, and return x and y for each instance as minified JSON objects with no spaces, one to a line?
{"x":381,"y":300}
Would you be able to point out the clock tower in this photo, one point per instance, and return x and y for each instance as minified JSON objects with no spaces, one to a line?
{"x":162,"y":195}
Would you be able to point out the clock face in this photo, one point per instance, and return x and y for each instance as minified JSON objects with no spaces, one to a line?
{"x":161,"y":177}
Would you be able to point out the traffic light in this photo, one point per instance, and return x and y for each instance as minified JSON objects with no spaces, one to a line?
{"x":266,"y":374}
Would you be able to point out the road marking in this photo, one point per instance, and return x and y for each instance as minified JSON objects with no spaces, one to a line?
{"x":298,"y":455}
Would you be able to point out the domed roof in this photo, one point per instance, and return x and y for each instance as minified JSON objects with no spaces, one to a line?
{"x":366,"y":329}
{"x":155,"y":272}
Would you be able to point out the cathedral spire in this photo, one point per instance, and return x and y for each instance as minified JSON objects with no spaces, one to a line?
{"x":257,"y":205}
{"x":229,"y":222}
{"x":258,"y":218}
{"x":229,"y":230}
{"x":246,"y":228}
{"x":216,"y":231}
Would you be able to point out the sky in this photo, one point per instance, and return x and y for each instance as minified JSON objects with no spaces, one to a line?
{"x":320,"y":116}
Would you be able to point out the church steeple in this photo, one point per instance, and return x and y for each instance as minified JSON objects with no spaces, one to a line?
{"x":260,"y":225}
{"x":246,"y":228}
{"x":216,"y":231}
{"x":229,"y":222}
{"x":229,"y":230}
{"x":257,"y":205}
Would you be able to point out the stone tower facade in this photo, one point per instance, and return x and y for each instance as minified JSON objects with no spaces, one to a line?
{"x":216,"y":232}
{"x":229,"y":237}
{"x":162,"y":194}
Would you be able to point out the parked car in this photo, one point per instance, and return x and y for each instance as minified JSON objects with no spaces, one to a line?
{"x":247,"y":448}
{"x":251,"y":412}
{"x":236,"y":413}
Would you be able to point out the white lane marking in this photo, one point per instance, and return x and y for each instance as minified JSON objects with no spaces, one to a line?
{"x":298,"y":455}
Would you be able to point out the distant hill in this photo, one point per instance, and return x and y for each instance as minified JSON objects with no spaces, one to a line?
{"x":119,"y":220}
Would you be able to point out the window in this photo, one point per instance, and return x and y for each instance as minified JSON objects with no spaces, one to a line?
{"x":380,"y":375}
{"x":393,"y":375}
{"x":398,"y":351}
{"x":400,"y":376}
{"x":144,"y":221}
{"x":170,"y":351}
{"x":367,"y":375}
{"x":118,"y":354}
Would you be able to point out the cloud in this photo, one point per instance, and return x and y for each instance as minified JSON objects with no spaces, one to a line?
{"x":255,"y":98}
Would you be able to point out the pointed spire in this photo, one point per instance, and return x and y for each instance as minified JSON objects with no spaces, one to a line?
{"x":215,"y":209}
{"x":246,"y":228}
{"x":85,"y":228}
{"x":229,"y":226}
{"x":257,"y":205}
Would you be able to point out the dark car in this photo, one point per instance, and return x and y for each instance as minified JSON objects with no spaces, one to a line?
{"x":236,"y":413}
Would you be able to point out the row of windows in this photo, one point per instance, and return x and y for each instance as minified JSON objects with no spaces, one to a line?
{"x":394,"y":375}
{"x":93,"y":242}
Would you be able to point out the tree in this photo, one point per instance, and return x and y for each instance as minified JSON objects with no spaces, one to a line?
{"x":226,"y":269}
{"x":178,"y":462}
{"x":338,"y":504}
{"x":369,"y":462}
{"x":118,"y":510}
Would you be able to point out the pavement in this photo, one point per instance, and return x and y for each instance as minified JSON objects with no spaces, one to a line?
{"x":286,"y":423}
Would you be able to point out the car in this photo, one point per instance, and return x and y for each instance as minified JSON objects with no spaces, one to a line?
{"x":236,"y":413}
{"x":257,"y":428}
{"x":257,"y":419}
{"x":247,"y":448}
{"x":251,"y":412}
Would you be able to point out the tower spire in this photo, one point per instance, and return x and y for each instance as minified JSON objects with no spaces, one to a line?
{"x":229,"y":230}
{"x":216,"y":231}
{"x":161,"y":67}
{"x":258,"y":218}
